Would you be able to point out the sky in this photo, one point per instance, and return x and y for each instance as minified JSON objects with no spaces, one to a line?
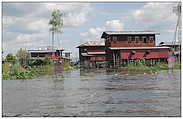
{"x":25,"y":25}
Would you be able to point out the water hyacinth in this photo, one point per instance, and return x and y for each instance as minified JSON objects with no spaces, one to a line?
{"x":14,"y":72}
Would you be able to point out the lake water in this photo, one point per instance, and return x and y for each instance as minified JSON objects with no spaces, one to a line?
{"x":94,"y":93}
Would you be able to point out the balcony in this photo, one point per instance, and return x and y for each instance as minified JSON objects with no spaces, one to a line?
{"x":131,"y":44}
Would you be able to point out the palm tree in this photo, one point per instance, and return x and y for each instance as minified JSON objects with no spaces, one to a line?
{"x":56,"y":23}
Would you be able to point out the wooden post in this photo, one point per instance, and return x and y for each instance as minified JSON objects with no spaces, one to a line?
{"x":117,"y":60}
{"x":114,"y":58}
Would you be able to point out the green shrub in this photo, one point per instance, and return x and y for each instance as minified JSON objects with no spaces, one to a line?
{"x":152,"y":69}
{"x":6,"y":67}
{"x":6,"y":76}
{"x":76,"y":66}
{"x":11,"y":72}
{"x":16,"y":69}
{"x":67,"y":68}
{"x":10,"y":58}
{"x":137,"y":66}
{"x":177,"y":66}
{"x":39,"y":62}
{"x":160,"y":66}
{"x":46,"y":61}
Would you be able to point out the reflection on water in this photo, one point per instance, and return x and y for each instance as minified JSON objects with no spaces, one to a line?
{"x":94,"y":93}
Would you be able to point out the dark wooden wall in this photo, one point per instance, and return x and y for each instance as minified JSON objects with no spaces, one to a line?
{"x":122,"y":41}
{"x":86,"y":49}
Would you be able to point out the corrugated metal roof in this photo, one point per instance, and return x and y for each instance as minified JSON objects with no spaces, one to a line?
{"x":92,"y":43}
{"x":131,"y":32}
{"x":125,"y":48}
{"x":41,"y":51}
{"x":127,"y":33}
{"x":96,"y":53}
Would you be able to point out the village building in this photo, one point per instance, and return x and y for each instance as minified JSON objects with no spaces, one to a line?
{"x":124,"y":47}
{"x":67,"y":55}
{"x":92,"y":53}
{"x":175,"y":48}
{"x":42,"y":53}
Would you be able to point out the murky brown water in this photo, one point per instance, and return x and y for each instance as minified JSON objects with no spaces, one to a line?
{"x":94,"y":93}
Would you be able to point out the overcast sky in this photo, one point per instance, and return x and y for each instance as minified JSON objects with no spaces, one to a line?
{"x":25,"y":25}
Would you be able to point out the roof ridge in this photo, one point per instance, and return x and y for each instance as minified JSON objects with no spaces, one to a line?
{"x":131,"y":31}
{"x":93,"y":43}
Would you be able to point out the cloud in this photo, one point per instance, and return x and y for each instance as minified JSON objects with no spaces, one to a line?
{"x":155,"y":15}
{"x":95,"y":33}
{"x":28,"y":41}
{"x":21,"y":38}
{"x":92,"y":33}
{"x":25,"y":39}
{"x":114,"y":24}
{"x":38,"y":25}
{"x":18,"y":17}
{"x":27,"y":23}
{"x":21,"y":9}
{"x":75,"y":14}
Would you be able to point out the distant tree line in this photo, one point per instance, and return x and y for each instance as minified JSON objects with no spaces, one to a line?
{"x":22,"y":58}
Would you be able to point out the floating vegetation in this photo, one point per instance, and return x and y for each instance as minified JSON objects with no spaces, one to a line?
{"x":149,"y":69}
{"x":14,"y":72}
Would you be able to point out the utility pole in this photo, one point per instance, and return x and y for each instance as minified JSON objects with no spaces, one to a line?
{"x":178,"y":29}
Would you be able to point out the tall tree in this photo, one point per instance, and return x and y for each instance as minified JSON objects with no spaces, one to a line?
{"x":10,"y":58}
{"x":22,"y":56}
{"x":56,"y":23}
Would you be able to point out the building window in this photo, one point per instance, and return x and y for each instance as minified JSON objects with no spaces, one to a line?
{"x":115,"y":38}
{"x":140,"y":39}
{"x":119,"y":38}
{"x":108,"y":39}
{"x":151,"y":38}
{"x":133,"y":39}
{"x":136,"y":38}
{"x":144,"y":39}
{"x":129,"y":38}
{"x":85,"y":50}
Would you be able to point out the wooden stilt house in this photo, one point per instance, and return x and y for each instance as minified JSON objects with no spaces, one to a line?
{"x":92,"y":53}
{"x":124,"y":47}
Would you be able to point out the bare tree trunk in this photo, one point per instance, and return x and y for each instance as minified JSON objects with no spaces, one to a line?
{"x":53,"y":39}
